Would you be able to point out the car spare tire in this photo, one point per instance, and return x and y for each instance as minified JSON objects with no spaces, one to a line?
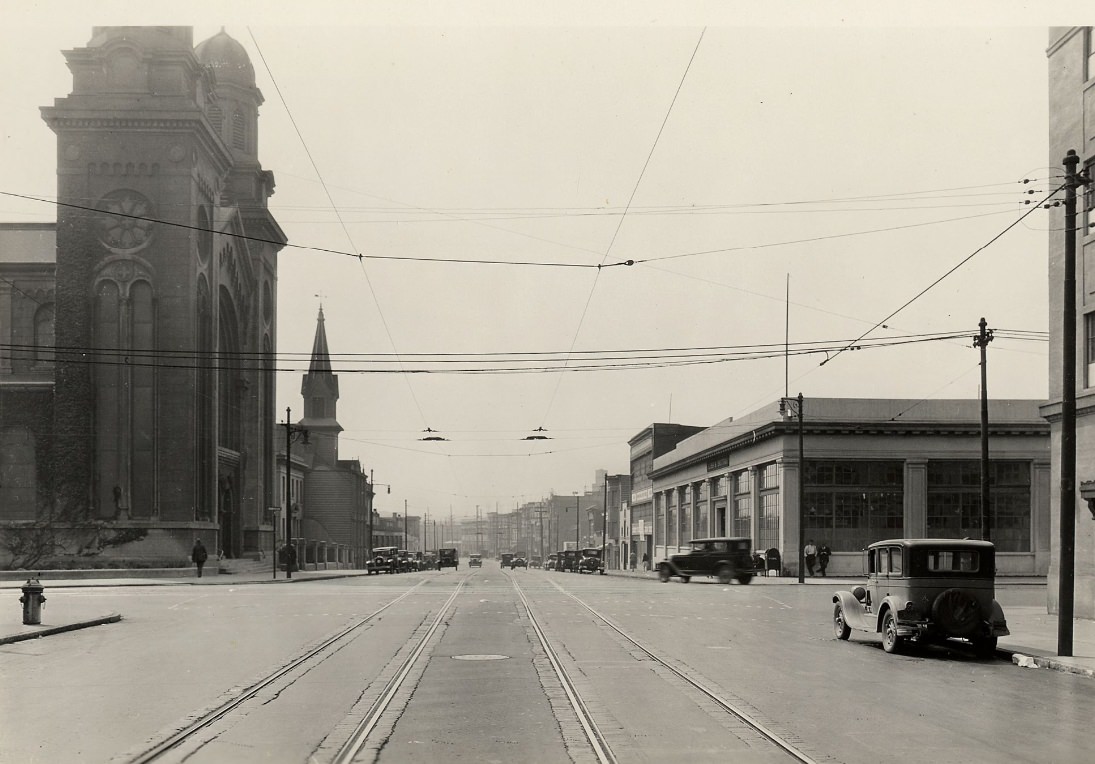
{"x":956,"y":612}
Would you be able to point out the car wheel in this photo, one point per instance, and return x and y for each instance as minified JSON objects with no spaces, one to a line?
{"x":984,"y":647}
{"x":840,"y":627}
{"x":663,"y":573}
{"x":744,"y":578}
{"x":725,"y":574}
{"x":685,"y":579}
{"x":891,"y":642}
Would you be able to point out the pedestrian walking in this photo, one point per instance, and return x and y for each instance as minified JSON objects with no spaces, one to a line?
{"x":811,"y":556}
{"x":823,"y":554}
{"x":198,"y":555}
{"x":646,"y":562}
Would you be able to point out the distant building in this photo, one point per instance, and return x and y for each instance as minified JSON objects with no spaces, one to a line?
{"x":650,"y":443}
{"x":331,"y":517}
{"x":1071,"y":55}
{"x":874,"y":469}
{"x":137,"y":334}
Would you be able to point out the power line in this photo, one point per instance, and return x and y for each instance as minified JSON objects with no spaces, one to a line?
{"x":619,"y":224}
{"x":962,"y":262}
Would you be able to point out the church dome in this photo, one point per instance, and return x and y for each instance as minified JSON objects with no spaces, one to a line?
{"x":224,"y":55}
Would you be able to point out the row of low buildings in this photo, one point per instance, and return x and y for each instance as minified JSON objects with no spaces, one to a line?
{"x":871,"y":469}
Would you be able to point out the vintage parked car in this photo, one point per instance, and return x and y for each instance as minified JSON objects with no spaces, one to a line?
{"x":925,"y":590}
{"x":725,"y":558}
{"x":475,"y":561}
{"x":535,"y":562}
{"x":447,"y":558}
{"x":384,"y":560}
{"x":568,"y":560}
{"x":507,"y":558}
{"x":429,"y":561}
{"x":406,"y":561}
{"x":518,"y":562}
{"x":552,"y":561}
{"x":591,"y":562}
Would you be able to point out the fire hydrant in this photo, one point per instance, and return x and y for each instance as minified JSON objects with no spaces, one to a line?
{"x":32,"y":600}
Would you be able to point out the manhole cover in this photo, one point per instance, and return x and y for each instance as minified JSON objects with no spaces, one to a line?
{"x":480,"y":657}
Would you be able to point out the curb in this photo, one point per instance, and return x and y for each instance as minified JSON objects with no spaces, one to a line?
{"x":113,"y":618}
{"x":1038,"y":661}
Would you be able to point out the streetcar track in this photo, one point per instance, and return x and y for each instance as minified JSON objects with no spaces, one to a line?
{"x":364,"y":727}
{"x":728,"y":706}
{"x":208,"y":718}
{"x":589,"y":726}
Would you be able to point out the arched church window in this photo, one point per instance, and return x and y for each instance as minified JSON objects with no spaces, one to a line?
{"x":44,"y":336}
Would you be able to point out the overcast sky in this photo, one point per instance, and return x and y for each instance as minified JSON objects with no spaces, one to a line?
{"x":855,"y":161}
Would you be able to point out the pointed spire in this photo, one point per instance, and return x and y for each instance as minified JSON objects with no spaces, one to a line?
{"x":321,"y":356}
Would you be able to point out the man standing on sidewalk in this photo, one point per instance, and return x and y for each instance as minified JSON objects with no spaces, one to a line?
{"x":199,"y":555}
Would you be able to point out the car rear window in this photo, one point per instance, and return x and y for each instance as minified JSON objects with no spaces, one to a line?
{"x":953,"y":561}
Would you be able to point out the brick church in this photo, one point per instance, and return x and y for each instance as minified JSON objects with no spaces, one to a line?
{"x":137,"y":334}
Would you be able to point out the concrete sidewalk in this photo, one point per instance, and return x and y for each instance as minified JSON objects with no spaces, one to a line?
{"x":1033,"y":641}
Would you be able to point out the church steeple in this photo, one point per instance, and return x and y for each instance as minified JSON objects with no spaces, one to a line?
{"x":319,"y":389}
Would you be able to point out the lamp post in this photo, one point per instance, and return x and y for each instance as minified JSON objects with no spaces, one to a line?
{"x":369,"y":543}
{"x":795,"y":405}
{"x":292,"y":432}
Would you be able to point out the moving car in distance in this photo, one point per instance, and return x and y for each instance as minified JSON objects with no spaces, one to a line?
{"x":384,"y":560}
{"x":475,"y":561}
{"x":570,"y":560}
{"x":518,"y":562}
{"x":507,"y":558}
{"x":552,"y":561}
{"x":429,"y":561}
{"x":725,"y":558}
{"x":591,"y":562}
{"x":406,"y":561}
{"x":447,"y":558}
{"x":923,"y":591}
{"x":535,"y":562}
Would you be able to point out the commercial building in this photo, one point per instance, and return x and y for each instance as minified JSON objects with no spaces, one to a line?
{"x":873,"y":469}
{"x":1071,"y":55}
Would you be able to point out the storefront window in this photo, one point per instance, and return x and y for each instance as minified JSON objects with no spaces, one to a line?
{"x":850,"y":504}
{"x":954,"y":502}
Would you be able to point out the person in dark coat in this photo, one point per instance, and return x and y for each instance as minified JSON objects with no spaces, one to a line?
{"x":823,"y":554}
{"x":199,"y":555}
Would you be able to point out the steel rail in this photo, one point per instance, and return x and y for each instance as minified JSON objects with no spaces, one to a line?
{"x":178,"y":738}
{"x":723,"y":703}
{"x":364,"y":728}
{"x":593,"y":733}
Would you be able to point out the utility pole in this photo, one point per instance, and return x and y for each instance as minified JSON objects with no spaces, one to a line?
{"x":604,"y":525}
{"x":292,"y":432}
{"x":577,"y":526}
{"x":1067,"y":568}
{"x":982,"y":340}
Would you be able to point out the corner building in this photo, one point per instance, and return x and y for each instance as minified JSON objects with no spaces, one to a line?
{"x":874,"y":469}
{"x":163,"y":302}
